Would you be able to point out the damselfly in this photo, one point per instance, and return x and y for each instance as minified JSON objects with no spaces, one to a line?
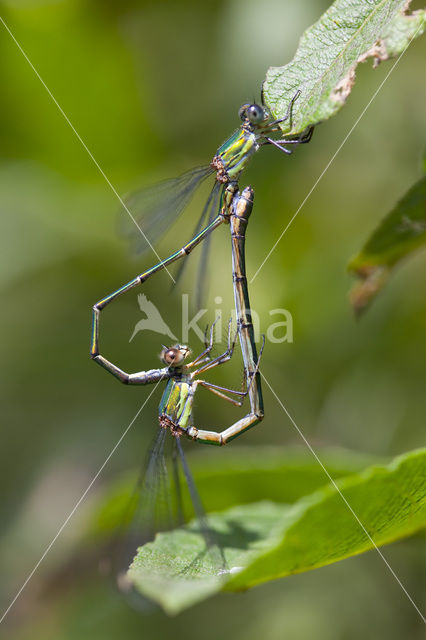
{"x":236,"y":208}
{"x":155,"y":208}
{"x":175,"y":410}
{"x":157,"y":510}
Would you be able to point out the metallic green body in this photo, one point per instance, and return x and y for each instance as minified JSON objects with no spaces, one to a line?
{"x":177,"y":400}
{"x":237,"y":151}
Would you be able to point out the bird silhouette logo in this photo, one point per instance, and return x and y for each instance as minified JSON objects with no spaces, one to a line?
{"x":153,"y":320}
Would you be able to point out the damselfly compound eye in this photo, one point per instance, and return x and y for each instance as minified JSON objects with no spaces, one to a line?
{"x":255,"y":114}
{"x":172,"y":357}
{"x":242,"y":113}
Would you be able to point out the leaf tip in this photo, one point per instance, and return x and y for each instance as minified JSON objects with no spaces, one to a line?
{"x":372,"y":280}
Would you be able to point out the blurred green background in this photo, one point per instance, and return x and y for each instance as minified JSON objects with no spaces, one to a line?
{"x":153,"y":88}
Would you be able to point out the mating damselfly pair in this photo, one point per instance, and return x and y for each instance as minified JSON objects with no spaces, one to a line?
{"x":152,"y":209}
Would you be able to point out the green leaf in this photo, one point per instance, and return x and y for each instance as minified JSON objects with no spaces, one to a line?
{"x":265,"y":540}
{"x":286,"y":474}
{"x":399,"y":34}
{"x":323,"y":68}
{"x":177,"y":571}
{"x":399,"y":234}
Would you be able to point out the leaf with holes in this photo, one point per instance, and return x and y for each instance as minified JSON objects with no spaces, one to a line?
{"x":323,"y":68}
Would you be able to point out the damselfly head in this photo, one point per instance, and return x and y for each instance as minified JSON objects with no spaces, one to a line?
{"x":174,"y":356}
{"x":254,"y":113}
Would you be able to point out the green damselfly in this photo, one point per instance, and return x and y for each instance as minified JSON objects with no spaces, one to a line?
{"x":156,"y":510}
{"x":154,"y":209}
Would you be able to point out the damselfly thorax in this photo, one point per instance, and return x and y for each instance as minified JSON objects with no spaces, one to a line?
{"x":233,"y":155}
{"x":175,"y":408}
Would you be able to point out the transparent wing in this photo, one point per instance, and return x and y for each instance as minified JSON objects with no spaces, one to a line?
{"x":148,"y":511}
{"x":156,"y":507}
{"x":210,"y":211}
{"x":211,"y":541}
{"x":149,"y":507}
{"x":154,"y":209}
{"x":202,"y":283}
